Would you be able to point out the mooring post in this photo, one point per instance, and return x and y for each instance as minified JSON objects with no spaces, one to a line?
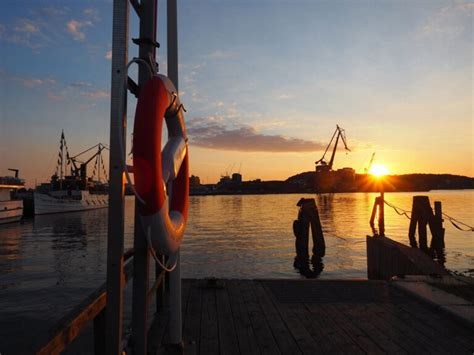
{"x":175,"y":276}
{"x":115,"y":232}
{"x":382,"y":214}
{"x":413,"y":221}
{"x":439,"y":223}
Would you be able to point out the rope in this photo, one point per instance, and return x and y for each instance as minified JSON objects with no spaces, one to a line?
{"x":455,"y":222}
{"x":398,"y":209}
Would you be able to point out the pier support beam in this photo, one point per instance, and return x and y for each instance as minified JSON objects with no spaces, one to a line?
{"x":115,"y":234}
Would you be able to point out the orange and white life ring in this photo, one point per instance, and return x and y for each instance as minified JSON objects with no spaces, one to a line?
{"x":155,"y":170}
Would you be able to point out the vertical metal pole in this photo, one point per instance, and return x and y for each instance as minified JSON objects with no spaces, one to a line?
{"x":141,"y":258}
{"x":115,"y":278}
{"x":175,"y":277}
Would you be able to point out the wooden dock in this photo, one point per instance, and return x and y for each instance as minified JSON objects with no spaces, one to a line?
{"x":309,"y":316}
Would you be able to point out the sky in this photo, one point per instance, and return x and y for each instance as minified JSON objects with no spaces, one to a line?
{"x":264,"y":83}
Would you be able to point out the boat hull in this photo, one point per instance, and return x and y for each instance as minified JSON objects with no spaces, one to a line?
{"x":11,"y":211}
{"x":46,"y":204}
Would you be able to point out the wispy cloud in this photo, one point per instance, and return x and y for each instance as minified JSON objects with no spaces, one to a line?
{"x":449,"y":21}
{"x":80,"y":84}
{"x":96,"y":94}
{"x":33,"y":82}
{"x":26,"y":32}
{"x":76,"y":29}
{"x":212,"y":133}
{"x":54,"y":96}
{"x":92,"y":14}
{"x":285,"y":96}
{"x":108,"y":55}
{"x":220,"y":54}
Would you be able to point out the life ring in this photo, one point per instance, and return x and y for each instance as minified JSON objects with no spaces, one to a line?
{"x":155,"y":170}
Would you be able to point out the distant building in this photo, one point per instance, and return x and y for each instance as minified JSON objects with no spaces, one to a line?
{"x":236,"y":177}
{"x":194,"y":181}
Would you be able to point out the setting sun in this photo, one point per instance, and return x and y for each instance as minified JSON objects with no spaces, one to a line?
{"x":378,"y":170}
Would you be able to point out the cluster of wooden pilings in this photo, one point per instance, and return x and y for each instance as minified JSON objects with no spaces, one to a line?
{"x":387,"y":258}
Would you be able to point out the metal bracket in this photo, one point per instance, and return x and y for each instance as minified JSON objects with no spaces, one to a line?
{"x":133,"y":87}
{"x":149,"y":41}
{"x":136,"y":6}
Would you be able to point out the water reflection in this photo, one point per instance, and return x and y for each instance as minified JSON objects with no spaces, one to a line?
{"x":10,"y":247}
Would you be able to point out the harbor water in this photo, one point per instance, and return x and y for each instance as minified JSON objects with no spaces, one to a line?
{"x":50,"y":263}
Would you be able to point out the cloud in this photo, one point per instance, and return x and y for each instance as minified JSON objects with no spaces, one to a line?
{"x":93,"y":14}
{"x":26,"y":32}
{"x":80,"y":84}
{"x":220,"y":54}
{"x":285,"y":97}
{"x":54,"y":97}
{"x":108,"y":55}
{"x":75,"y":28}
{"x":27,"y":26}
{"x":96,"y":94}
{"x":449,"y":21}
{"x":212,"y":133}
{"x":33,"y":82}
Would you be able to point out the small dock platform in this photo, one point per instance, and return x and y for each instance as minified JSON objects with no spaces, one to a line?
{"x":310,"y":317}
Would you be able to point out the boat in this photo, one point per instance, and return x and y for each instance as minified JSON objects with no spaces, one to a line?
{"x":11,"y":207}
{"x":74,"y":191}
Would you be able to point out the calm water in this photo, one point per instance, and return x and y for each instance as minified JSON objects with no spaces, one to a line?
{"x":49,"y":264}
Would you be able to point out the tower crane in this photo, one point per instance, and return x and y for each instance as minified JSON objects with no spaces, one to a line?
{"x":321,"y":165}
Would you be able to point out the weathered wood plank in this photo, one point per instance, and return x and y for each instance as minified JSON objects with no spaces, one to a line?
{"x":336,"y":312}
{"x":228,"y":343}
{"x":260,"y":326}
{"x":356,"y":316}
{"x":281,"y":333}
{"x":209,"y":342}
{"x":192,"y":316}
{"x":244,"y":331}
{"x":337,"y":335}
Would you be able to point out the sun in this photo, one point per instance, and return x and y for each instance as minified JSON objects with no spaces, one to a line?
{"x":378,"y":170}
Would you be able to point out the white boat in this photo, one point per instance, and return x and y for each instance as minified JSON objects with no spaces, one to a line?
{"x":74,"y":191}
{"x":11,"y":209}
{"x":68,"y":201}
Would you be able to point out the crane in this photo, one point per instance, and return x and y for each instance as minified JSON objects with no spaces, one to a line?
{"x":326,"y":167}
{"x":81,"y":170}
{"x":366,"y":170}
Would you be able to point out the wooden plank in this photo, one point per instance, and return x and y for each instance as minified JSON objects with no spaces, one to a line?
{"x":70,"y":326}
{"x":362,"y":327}
{"x":244,"y":331}
{"x":419,"y":342}
{"x":264,"y":336}
{"x":438,"y":329}
{"x":192,"y":316}
{"x":333,"y":332}
{"x":228,"y":343}
{"x":376,"y":316}
{"x":281,"y":333}
{"x":355,"y":333}
{"x":209,"y":342}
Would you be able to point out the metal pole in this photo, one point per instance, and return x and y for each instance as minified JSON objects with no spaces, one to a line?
{"x":141,"y":258}
{"x":115,"y":279}
{"x":175,"y":277}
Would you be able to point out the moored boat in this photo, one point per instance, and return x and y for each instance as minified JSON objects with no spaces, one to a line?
{"x":11,"y":208}
{"x":76,"y":191}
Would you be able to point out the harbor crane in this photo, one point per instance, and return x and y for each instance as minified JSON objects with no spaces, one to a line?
{"x":367,"y":169}
{"x":321,"y":164}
